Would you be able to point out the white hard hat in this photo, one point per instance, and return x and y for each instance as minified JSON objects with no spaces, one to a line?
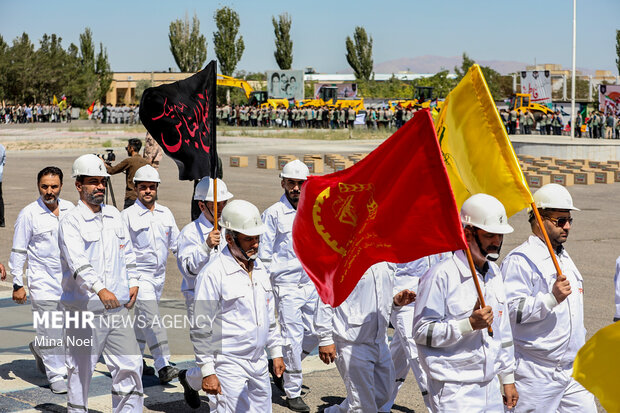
{"x":88,"y":165}
{"x":554,"y":196}
{"x":146,"y":173}
{"x":204,"y":190}
{"x":295,"y":170}
{"x":485,"y":212}
{"x":242,"y":216}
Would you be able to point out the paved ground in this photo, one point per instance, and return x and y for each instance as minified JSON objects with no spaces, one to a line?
{"x":593,"y":245}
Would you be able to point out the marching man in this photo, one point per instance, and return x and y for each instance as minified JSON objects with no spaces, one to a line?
{"x":36,"y":241}
{"x":153,"y":232}
{"x":233,"y":360}
{"x":296,"y":295}
{"x":354,"y":335}
{"x":99,"y":278}
{"x":464,"y":364}
{"x":546,"y":311}
{"x":199,"y":243}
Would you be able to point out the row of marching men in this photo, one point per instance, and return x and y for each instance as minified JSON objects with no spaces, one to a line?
{"x":90,"y":257}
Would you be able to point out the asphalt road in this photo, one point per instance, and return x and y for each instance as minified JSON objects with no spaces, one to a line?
{"x":593,"y":245}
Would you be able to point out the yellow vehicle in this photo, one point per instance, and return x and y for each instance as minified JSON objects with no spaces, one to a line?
{"x":328,"y":96}
{"x":255,"y":97}
{"x":523,"y":101}
{"x":422,"y":98}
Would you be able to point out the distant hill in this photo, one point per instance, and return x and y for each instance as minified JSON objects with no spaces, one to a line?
{"x":434,"y":64}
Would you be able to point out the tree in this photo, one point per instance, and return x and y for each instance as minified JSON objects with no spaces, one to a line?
{"x":141,"y":86}
{"x":104,"y":75}
{"x":188,"y":46}
{"x":359,"y":53}
{"x":284,"y":44}
{"x":618,"y":50}
{"x":228,"y":48}
{"x":492,"y":77}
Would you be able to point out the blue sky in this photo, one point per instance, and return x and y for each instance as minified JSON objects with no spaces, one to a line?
{"x":135,"y":33}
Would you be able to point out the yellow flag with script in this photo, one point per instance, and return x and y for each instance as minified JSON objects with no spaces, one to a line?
{"x":476,"y":150}
{"x":55,"y":101}
{"x":597,"y":364}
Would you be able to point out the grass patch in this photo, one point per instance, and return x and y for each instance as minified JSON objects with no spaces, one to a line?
{"x":107,"y":144}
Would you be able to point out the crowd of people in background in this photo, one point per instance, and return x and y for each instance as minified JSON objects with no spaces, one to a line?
{"x":35,"y":113}
{"x":322,"y":117}
{"x":119,"y":114}
{"x":595,"y":125}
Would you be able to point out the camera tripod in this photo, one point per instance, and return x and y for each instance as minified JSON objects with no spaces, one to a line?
{"x":110,"y":191}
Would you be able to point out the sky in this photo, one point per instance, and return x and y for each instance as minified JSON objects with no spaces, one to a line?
{"x":135,"y":32}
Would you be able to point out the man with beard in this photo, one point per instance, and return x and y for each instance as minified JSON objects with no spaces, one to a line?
{"x":100,"y":279}
{"x":198,"y":243}
{"x":462,"y":360}
{"x":296,"y":296}
{"x":153,"y":232}
{"x":231,"y":351}
{"x":36,"y":241}
{"x":546,"y":311}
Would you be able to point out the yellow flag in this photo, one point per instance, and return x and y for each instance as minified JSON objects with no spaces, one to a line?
{"x":597,"y":364}
{"x":55,"y":101}
{"x":477,"y":152}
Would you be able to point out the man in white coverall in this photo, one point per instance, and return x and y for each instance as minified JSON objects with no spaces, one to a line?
{"x":461,"y":359}
{"x":36,"y":240}
{"x":100,"y":279}
{"x":153,"y":232}
{"x":354,"y":335}
{"x":296,"y":296}
{"x":234,"y":287}
{"x":198,"y":243}
{"x":402,"y":347}
{"x":546,"y":311}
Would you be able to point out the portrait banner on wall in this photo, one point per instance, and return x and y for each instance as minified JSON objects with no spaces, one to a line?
{"x":285,"y":84}
{"x":537,"y":83}
{"x":609,"y":99}
{"x":345,"y":90}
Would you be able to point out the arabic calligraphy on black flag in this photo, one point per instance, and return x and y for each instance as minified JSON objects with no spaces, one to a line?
{"x":181,"y":118}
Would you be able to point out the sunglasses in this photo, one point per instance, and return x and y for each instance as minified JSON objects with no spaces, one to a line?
{"x":561,"y":222}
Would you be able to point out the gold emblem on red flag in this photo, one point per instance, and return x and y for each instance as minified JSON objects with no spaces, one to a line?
{"x":350,"y":204}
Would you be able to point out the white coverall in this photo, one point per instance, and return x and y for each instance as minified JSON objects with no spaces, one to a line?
{"x":358,"y":328}
{"x":96,"y":252}
{"x":402,"y":347}
{"x":462,"y":365}
{"x":152,"y":233}
{"x":296,"y":296}
{"x":36,"y":240}
{"x":617,"y":285}
{"x":547,"y":334}
{"x":192,"y":256}
{"x":245,"y":318}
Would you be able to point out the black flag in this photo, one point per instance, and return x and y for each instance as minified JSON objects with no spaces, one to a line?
{"x":181,"y":118}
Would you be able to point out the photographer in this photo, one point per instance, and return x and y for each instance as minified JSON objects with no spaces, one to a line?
{"x":129,"y":166}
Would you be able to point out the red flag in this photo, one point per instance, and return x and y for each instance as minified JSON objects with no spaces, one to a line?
{"x":91,"y":108}
{"x":395,"y":205}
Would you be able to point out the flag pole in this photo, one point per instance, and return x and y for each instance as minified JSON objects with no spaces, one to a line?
{"x":560,"y":276}
{"x":474,"y":275}
{"x":215,"y":203}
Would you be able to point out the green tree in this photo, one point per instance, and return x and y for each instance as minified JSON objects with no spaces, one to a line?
{"x":359,"y":53}
{"x":187,"y":45}
{"x":284,"y":44}
{"x":141,"y":86}
{"x":492,"y":77}
{"x":104,"y":74}
{"x":228,"y":48}
{"x":618,"y":50}
{"x":21,"y":70}
{"x":440,"y":82}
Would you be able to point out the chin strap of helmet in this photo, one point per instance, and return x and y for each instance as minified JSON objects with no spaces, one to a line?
{"x":235,"y":235}
{"x":490,"y":256}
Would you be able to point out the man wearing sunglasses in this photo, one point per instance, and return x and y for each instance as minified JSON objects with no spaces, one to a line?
{"x":546,"y":311}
